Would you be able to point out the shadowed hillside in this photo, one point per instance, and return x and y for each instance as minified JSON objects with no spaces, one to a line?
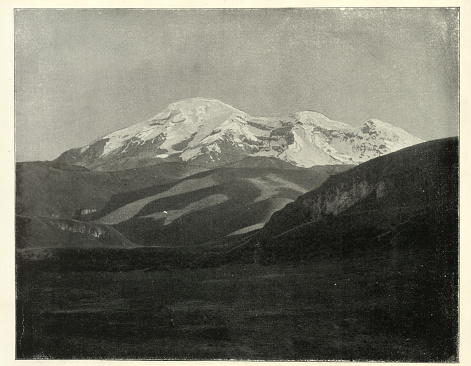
{"x":59,"y":190}
{"x":408,"y":181}
{"x":209,"y":205}
{"x":171,"y":204}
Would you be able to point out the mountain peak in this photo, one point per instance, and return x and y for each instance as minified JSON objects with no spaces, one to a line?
{"x":393,"y":133}
{"x":194,"y":110}
{"x":320,"y":120}
{"x":195,"y":102}
{"x":376,"y":123}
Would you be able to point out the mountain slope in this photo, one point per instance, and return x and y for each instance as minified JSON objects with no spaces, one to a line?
{"x":209,"y":205}
{"x":51,"y":190}
{"x":170,"y":204}
{"x":210,"y":133}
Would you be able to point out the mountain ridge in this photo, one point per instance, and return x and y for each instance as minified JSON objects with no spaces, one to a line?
{"x":208,"y":132}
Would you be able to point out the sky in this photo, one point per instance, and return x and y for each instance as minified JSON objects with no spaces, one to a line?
{"x":83,"y":73}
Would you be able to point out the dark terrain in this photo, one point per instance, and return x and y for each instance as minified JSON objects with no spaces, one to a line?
{"x":365,"y":267}
{"x":171,"y":204}
{"x":48,"y":188}
{"x":322,"y":309}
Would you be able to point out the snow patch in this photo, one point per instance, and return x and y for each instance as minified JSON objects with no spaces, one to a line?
{"x":319,"y":120}
{"x":271,"y":184}
{"x":172,"y":215}
{"x":248,"y":229}
{"x":132,"y":209}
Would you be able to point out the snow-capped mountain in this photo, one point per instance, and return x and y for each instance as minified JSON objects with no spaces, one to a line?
{"x":208,"y":132}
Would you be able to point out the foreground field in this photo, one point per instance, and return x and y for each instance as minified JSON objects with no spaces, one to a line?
{"x":325,"y":309}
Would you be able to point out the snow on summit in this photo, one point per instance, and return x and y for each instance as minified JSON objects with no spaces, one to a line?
{"x":177,"y":122}
{"x":205,"y":131}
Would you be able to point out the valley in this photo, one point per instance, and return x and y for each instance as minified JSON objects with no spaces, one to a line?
{"x":323,"y":309}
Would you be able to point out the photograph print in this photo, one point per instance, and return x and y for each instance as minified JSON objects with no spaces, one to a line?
{"x":237,"y":184}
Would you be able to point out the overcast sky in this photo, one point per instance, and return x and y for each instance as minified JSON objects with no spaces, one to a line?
{"x":80,"y":74}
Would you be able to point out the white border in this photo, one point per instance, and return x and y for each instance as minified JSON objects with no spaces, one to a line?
{"x":7,"y":299}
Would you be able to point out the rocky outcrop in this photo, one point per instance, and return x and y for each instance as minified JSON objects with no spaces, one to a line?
{"x":80,"y":227}
{"x":47,"y":232}
{"x":342,"y":197}
{"x":86,"y":211}
{"x":83,"y":213}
